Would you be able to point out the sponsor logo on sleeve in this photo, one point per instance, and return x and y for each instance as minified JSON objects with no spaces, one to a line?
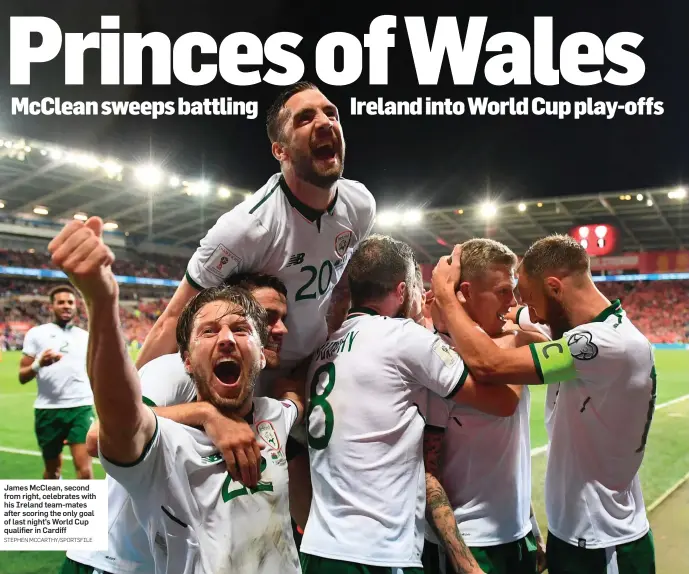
{"x":581,"y":346}
{"x":222,"y":262}
{"x":446,"y":353}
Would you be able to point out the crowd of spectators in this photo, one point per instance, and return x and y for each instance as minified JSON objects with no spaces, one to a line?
{"x":135,"y":265}
{"x":659,"y":308}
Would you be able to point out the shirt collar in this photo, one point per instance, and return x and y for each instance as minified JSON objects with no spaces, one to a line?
{"x":356,"y":311}
{"x":313,"y":215}
{"x":615,"y":308}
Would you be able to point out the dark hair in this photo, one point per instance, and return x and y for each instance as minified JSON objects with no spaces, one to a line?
{"x":377,"y":267}
{"x":248,"y":307}
{"x":558,"y":254}
{"x":274,"y":120}
{"x":252,"y":281}
{"x":61,"y":289}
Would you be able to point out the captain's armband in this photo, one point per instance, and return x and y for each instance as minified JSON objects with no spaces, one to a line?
{"x":554,"y":361}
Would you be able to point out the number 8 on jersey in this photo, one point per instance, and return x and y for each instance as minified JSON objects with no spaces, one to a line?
{"x":321,"y":400}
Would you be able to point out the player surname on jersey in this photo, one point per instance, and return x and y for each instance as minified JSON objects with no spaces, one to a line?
{"x":50,"y":106}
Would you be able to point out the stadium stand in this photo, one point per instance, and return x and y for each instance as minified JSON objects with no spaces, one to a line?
{"x":155,"y":219}
{"x":659,"y":308}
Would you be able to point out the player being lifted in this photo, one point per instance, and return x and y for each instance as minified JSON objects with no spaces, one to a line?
{"x":179,"y":484}
{"x":484,"y":461}
{"x":601,"y":380}
{"x":364,"y":428}
{"x":55,"y":354}
{"x":301,"y":226}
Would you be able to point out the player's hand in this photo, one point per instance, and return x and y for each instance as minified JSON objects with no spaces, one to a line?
{"x":541,"y":563}
{"x":49,"y":357}
{"x":237,"y":443}
{"x":445,"y":278}
{"x":92,"y":440}
{"x":80,"y":252}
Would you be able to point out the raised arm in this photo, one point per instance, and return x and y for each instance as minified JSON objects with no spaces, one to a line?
{"x":486,"y":361}
{"x":126,"y":424}
{"x":236,"y":243}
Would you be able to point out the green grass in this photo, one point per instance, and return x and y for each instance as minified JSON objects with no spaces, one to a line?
{"x":665,"y":462}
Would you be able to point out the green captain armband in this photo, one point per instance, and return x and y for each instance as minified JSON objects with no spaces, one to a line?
{"x":553,"y":360}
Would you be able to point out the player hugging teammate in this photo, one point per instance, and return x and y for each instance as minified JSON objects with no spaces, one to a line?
{"x":314,"y":390}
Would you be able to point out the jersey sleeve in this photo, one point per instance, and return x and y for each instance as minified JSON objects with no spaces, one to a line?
{"x":434,"y":409}
{"x":526,"y":324}
{"x":369,"y":218}
{"x":427,"y":360}
{"x":234,"y":244}
{"x":143,"y":478}
{"x":290,"y":412}
{"x":165,"y":382}
{"x":30,"y":345}
{"x":585,"y":353}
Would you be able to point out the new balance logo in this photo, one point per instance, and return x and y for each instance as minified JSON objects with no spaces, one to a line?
{"x":297,"y":259}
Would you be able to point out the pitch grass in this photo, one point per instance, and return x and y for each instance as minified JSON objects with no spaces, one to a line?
{"x":666,"y":459}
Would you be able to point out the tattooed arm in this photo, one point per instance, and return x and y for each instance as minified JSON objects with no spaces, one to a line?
{"x":439,"y":512}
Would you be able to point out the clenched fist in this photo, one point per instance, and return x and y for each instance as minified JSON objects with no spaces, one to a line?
{"x":80,"y":252}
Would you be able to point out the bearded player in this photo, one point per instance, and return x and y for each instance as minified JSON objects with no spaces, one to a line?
{"x":181,"y":491}
{"x":601,"y":379}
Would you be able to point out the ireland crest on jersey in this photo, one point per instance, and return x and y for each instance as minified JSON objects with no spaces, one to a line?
{"x":342,"y":242}
{"x":268,"y":434}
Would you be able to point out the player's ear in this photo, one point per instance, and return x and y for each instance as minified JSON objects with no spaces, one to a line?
{"x":400,"y":292}
{"x":187,"y":363}
{"x":465,"y":289}
{"x":263,"y":359}
{"x":279,"y":152}
{"x":553,"y":287}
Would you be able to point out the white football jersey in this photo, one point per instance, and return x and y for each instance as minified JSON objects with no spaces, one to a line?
{"x":365,"y":438}
{"x":525,"y":323}
{"x":598,"y":422}
{"x":197,"y":519}
{"x":64,"y":384}
{"x":275,"y":233}
{"x":486,"y":470}
{"x":164,"y":383}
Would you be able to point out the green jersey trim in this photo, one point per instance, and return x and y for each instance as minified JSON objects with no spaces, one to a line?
{"x":460,"y":383}
{"x":615,"y":308}
{"x":265,"y":197}
{"x":148,"y":402}
{"x":191,"y":281}
{"x":361,"y":311}
{"x":144,"y":452}
{"x":313,"y":215}
{"x":519,"y":312}
{"x":553,"y":361}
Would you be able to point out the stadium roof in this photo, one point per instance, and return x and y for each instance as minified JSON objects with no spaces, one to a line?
{"x":40,"y":181}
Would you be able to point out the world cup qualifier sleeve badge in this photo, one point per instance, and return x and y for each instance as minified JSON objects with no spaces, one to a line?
{"x":342,"y":242}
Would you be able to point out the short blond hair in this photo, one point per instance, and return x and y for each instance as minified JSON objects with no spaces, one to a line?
{"x":556,"y":254}
{"x":479,"y":255}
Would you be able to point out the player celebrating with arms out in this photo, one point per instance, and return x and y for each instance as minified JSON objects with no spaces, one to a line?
{"x":178,"y":483}
{"x":601,"y":380}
